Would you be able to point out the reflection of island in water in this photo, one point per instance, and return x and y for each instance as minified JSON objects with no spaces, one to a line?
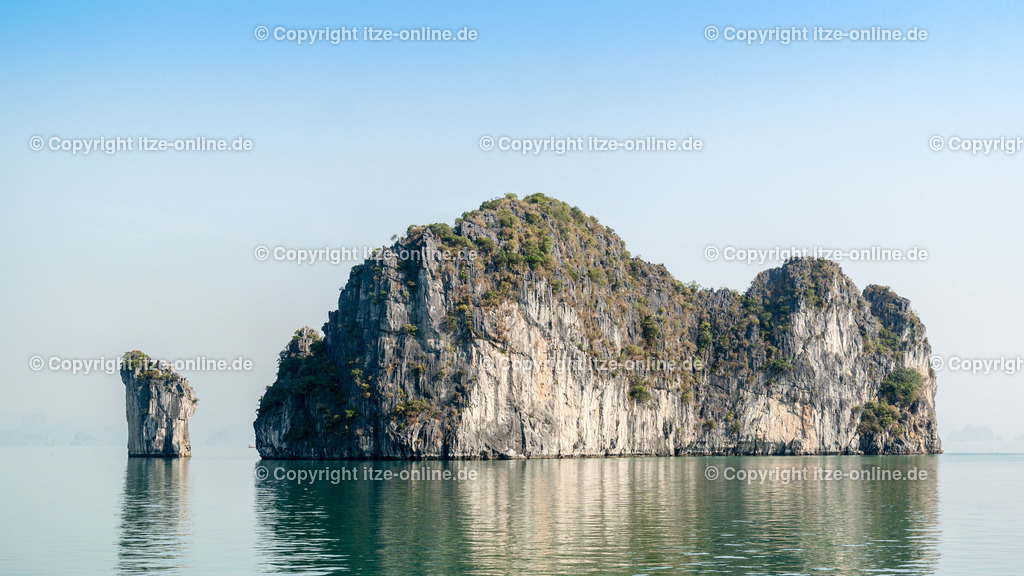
{"x":601,"y":516}
{"x":155,"y":517}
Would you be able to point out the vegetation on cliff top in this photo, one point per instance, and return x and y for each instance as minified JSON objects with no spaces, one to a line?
{"x":894,"y":317}
{"x":303,"y":374}
{"x":150,"y":369}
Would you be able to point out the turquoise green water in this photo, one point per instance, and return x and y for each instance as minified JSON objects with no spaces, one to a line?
{"x":68,"y":510}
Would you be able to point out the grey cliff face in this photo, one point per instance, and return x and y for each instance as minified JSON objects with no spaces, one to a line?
{"x":158,"y":404}
{"x":555,"y":342}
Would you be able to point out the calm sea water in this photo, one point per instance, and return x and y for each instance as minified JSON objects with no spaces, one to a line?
{"x":91,"y":510}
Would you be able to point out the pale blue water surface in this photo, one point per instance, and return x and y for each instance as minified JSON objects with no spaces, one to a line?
{"x":91,"y":510}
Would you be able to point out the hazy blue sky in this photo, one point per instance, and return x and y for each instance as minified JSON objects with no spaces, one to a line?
{"x":807,"y":144}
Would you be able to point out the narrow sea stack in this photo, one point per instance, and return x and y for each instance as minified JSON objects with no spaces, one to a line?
{"x":527,"y":330}
{"x":158,"y":404}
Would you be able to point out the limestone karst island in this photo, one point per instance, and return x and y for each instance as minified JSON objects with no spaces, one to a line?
{"x":158,"y":404}
{"x":553,"y":341}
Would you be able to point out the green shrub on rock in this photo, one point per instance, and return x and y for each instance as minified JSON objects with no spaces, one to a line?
{"x":902,"y":387}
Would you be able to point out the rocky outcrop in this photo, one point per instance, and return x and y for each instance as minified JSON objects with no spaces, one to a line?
{"x":528,"y":330}
{"x":158,"y":404}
